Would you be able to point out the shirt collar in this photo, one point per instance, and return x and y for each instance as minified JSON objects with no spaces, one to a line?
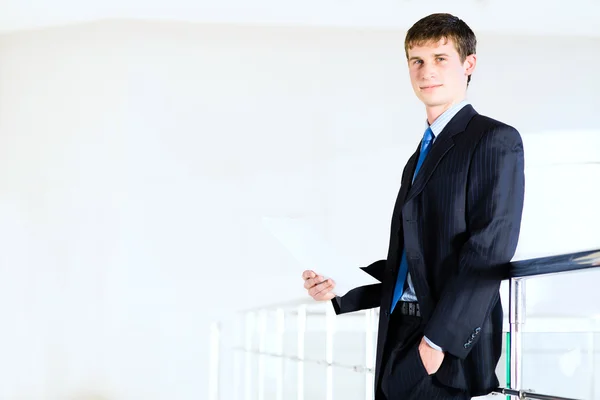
{"x":440,"y":123}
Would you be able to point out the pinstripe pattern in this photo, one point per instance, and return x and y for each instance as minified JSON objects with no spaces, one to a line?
{"x":404,"y":375}
{"x":459,"y":224}
{"x":437,"y":128}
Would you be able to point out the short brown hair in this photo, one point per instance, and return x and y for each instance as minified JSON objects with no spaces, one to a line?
{"x":435,"y":27}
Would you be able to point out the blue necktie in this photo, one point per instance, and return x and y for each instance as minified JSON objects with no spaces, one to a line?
{"x":425,"y":146}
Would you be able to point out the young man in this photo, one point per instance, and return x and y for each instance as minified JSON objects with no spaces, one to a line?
{"x":454,"y":227}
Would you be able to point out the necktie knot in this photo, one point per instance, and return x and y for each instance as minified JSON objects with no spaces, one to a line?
{"x":425,"y":145}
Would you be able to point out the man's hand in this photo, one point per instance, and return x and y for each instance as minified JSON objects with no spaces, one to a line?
{"x":317,"y":288}
{"x":432,"y":358}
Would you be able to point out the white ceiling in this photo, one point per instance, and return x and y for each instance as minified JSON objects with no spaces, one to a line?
{"x":554,"y":17}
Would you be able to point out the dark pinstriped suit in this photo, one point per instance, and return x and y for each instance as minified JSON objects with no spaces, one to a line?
{"x":459,"y":224}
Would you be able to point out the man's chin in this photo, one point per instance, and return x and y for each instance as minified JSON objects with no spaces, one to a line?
{"x":434,"y":103}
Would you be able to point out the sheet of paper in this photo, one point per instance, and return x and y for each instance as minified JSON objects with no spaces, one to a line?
{"x":312,"y":251}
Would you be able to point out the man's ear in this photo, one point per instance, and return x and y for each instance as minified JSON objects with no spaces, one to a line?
{"x":470,"y":63}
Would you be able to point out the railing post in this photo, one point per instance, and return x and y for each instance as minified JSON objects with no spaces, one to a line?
{"x":595,"y":327}
{"x":369,"y":354}
{"x":237,"y":356}
{"x":262,"y":333}
{"x":330,"y":330}
{"x":248,"y":330}
{"x":279,"y":350}
{"x":517,"y":319}
{"x":301,"y":334}
{"x":215,"y":349}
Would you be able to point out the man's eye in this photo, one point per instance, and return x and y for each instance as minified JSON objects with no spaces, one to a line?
{"x":418,"y":62}
{"x":441,"y":59}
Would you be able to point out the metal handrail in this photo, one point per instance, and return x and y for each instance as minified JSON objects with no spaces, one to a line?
{"x":524,"y":394}
{"x":554,"y":264}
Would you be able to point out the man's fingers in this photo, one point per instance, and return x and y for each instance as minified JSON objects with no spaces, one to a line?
{"x":321,"y":289}
{"x":325,"y":297}
{"x":432,"y":358}
{"x":327,"y":287}
{"x":311,"y":282}
{"x":314,"y":290}
{"x":308,"y":284}
{"x":317,"y":286}
{"x":308,"y":274}
{"x":326,"y":293}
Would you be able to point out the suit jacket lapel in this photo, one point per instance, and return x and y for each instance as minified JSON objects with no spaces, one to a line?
{"x":406,"y":182}
{"x":440,"y":147}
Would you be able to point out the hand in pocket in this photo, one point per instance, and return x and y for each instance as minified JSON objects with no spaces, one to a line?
{"x":431,"y":358}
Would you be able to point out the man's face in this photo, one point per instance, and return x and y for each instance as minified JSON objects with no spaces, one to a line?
{"x":437,"y":74}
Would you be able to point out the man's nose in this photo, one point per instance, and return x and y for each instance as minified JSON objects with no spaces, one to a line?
{"x":428,"y":72}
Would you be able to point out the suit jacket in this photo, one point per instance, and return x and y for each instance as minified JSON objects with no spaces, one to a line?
{"x":459,"y":224}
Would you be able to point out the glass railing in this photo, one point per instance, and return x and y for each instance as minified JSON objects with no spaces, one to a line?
{"x":554,"y":326}
{"x":551,"y":346}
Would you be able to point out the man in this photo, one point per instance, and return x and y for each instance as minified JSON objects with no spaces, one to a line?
{"x":454,"y":227}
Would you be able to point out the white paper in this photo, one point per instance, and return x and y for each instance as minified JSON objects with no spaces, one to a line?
{"x":312,"y":251}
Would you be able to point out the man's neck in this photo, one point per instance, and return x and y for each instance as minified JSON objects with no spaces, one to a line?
{"x":434,"y":112}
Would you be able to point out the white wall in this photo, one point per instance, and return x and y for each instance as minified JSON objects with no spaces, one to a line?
{"x":137,"y":160}
{"x":65,"y":244}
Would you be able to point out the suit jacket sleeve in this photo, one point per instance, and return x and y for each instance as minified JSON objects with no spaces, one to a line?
{"x":363,"y":297}
{"x":494,"y":207}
